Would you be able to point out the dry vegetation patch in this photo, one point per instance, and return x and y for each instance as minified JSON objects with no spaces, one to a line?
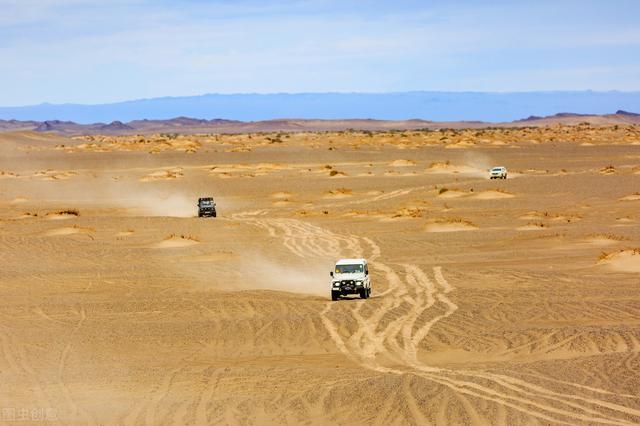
{"x":5,"y":175}
{"x":63,"y":214}
{"x":336,"y":174}
{"x":338,"y":193}
{"x":408,"y":212}
{"x":533,"y":226}
{"x":444,"y":192}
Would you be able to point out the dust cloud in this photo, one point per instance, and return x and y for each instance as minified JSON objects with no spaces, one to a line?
{"x":306,"y":276}
{"x":158,"y":204}
{"x":481,"y":162}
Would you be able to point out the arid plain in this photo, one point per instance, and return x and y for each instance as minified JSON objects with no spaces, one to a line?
{"x":494,"y":301}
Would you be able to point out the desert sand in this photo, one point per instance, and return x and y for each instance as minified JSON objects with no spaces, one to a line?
{"x":494,"y":302}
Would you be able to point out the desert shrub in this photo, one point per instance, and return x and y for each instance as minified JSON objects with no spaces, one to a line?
{"x":71,"y":212}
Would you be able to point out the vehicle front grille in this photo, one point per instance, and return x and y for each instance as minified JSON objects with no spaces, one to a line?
{"x":348,"y":285}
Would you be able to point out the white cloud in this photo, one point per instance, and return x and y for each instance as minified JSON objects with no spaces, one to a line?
{"x":103,"y":51}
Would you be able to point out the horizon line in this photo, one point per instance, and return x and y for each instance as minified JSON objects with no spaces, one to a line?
{"x":47,"y":103}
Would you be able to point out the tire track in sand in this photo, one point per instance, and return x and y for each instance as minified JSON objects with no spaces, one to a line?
{"x":66,"y":393}
{"x":391,"y":346}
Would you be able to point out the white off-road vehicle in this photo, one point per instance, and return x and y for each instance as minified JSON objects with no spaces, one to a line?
{"x":350,"y":276}
{"x":498,"y":173}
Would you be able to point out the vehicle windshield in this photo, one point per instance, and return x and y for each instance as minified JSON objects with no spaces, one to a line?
{"x":497,"y":169}
{"x":205,"y":202}
{"x":349,"y":269}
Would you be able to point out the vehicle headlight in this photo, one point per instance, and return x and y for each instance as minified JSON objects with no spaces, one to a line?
{"x":336,"y":283}
{"x":358,"y":282}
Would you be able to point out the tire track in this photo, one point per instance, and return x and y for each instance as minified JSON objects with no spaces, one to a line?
{"x":66,"y":393}
{"x":14,"y":355}
{"x":392,"y":346}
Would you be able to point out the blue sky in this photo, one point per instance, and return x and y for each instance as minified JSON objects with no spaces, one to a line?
{"x":89,"y":51}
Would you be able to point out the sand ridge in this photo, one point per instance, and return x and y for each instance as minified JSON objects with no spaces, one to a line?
{"x":68,"y":230}
{"x":177,"y":241}
{"x":622,"y":261}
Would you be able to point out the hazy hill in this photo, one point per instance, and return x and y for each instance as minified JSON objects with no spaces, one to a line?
{"x":186,"y":125}
{"x":435,"y":106}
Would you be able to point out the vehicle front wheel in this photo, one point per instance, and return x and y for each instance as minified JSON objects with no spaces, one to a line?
{"x":335,"y":295}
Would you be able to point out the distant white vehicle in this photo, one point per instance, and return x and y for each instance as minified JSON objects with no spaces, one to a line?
{"x":350,"y":276}
{"x":498,"y":173}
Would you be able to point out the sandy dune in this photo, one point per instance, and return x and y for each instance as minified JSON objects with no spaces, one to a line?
{"x":176,"y":241}
{"x":493,"y":194}
{"x":624,"y":260}
{"x":450,"y":225}
{"x":510,"y":302}
{"x":633,"y":197}
{"x":174,"y":173}
{"x":402,"y":163}
{"x":67,"y":230}
{"x":447,"y":167}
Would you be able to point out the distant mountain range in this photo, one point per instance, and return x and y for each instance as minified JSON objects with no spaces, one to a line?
{"x":433,"y":106}
{"x":187,"y":125}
